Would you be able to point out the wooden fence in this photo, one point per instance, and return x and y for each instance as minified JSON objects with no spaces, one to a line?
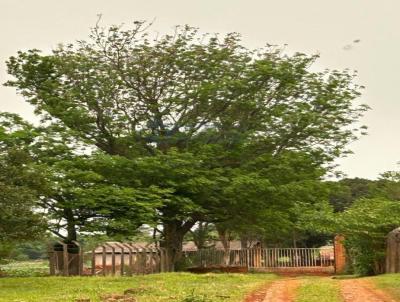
{"x":121,"y":259}
{"x":66,"y":259}
{"x":262,"y":258}
{"x":125,"y":259}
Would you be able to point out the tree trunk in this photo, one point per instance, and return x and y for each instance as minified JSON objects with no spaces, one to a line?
{"x":71,"y":226}
{"x":244,"y":242}
{"x":224,"y":238}
{"x":173,"y":233}
{"x":294,"y":238}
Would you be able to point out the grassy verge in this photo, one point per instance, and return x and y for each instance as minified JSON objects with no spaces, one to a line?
{"x":150,"y":288}
{"x":25,"y":268}
{"x":389,"y":283}
{"x":318,"y":290}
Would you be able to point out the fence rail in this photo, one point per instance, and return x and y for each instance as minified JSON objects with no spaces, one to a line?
{"x":126,"y":259}
{"x":262,"y":258}
{"x":117,"y":259}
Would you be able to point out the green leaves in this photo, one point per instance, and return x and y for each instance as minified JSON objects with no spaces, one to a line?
{"x":129,"y":95}
{"x":19,"y":182}
{"x":367,"y":210}
{"x":370,"y":217}
{"x":365,"y":226}
{"x":183,"y":128}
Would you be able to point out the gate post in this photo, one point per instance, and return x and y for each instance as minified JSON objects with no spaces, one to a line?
{"x":393,"y":252}
{"x":130,"y":260}
{"x":80,"y":259}
{"x":93,"y":269}
{"x":340,"y":254}
{"x":65,"y":259}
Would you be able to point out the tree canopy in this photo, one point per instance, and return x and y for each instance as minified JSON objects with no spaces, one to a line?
{"x":19,"y":184}
{"x":212,"y":128}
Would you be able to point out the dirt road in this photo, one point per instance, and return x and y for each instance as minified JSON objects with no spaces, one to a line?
{"x":282,"y":291}
{"x":279,"y":291}
{"x":359,"y":290}
{"x":351,"y":290}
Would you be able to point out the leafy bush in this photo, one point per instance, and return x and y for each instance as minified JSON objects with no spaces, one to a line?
{"x":187,"y":261}
{"x":365,"y":226}
{"x":366,"y":257}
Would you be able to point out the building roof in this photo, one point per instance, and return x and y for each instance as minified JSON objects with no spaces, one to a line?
{"x":188,"y":246}
{"x":118,"y":246}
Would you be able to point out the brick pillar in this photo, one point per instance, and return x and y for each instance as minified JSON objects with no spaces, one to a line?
{"x":340,"y":255}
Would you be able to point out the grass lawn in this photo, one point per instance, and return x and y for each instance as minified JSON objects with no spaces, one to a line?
{"x":315,"y":289}
{"x":389,"y":283}
{"x":151,"y":288}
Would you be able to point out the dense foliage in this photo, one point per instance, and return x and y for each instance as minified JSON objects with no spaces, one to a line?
{"x":366,"y":225}
{"x":372,"y":211}
{"x":19,"y":183}
{"x":184,"y":128}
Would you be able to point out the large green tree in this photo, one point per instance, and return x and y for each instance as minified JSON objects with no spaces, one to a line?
{"x":192,"y":108}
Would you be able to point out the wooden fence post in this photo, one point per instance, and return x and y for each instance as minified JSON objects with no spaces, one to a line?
{"x":130,"y":260}
{"x":52,"y":262}
{"x":93,"y":269}
{"x":161,"y":260}
{"x":112,"y":260}
{"x":153,"y":261}
{"x":137,"y":260}
{"x":80,"y":260}
{"x":165,"y":260}
{"x":65,"y":259}
{"x":158,"y":260}
{"x":122,"y":262}
{"x":145,"y":257}
{"x":104,"y":259}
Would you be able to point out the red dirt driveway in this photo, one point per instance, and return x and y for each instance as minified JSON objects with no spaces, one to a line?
{"x":279,"y":291}
{"x":352,"y":290}
{"x":358,"y":290}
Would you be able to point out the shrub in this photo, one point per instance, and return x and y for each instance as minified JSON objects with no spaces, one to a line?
{"x":365,"y":226}
{"x":365,"y":256}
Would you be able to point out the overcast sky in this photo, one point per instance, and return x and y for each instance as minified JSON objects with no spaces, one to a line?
{"x":310,"y":26}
